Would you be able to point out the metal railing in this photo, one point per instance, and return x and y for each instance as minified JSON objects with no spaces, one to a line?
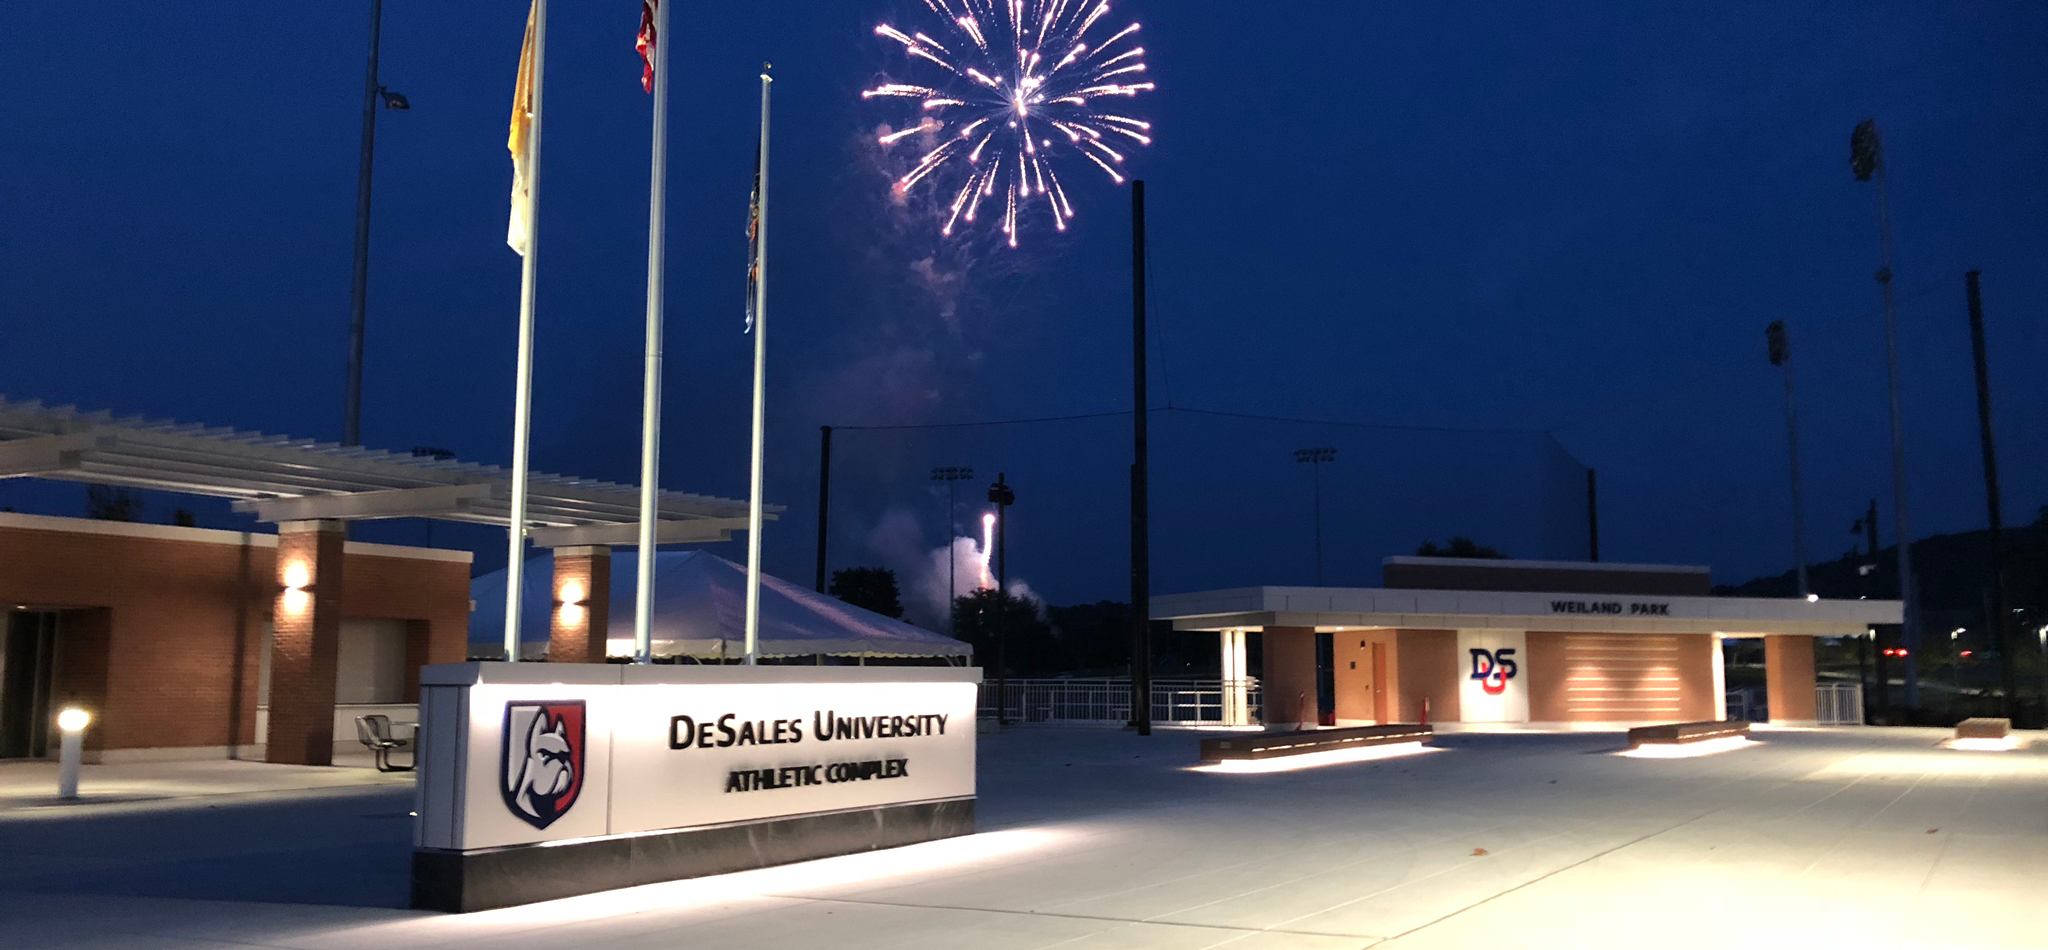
{"x":1108,"y":700}
{"x":1746,"y":705}
{"x":1834,"y":704}
{"x":1838,"y":704}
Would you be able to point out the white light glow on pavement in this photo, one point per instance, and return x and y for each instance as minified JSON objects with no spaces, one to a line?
{"x":1312,"y":760}
{"x":1689,"y":750}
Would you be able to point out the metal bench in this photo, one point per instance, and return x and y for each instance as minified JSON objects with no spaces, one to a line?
{"x":1678,"y":733}
{"x":375,"y":731}
{"x":1267,"y":745}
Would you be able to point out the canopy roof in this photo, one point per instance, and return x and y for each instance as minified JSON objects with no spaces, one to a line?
{"x":700,"y":611}
{"x":280,"y":478}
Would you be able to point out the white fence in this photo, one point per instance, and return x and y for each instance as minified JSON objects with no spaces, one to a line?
{"x":1108,"y":700}
{"x":1834,"y":704}
{"x":1838,"y":704}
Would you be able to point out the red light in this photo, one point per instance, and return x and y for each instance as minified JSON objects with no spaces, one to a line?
{"x":1966,"y":653}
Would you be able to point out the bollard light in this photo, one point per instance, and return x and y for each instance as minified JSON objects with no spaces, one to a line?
{"x":71,"y":722}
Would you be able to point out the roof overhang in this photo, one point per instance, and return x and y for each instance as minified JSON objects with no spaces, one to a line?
{"x":1369,"y":608}
{"x":279,"y":478}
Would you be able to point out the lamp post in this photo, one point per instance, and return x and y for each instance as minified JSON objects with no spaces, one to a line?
{"x":1866,"y":160}
{"x":1315,"y":458}
{"x":1781,"y":356}
{"x":1955,"y":660}
{"x":952,"y":475}
{"x":359,"y":284}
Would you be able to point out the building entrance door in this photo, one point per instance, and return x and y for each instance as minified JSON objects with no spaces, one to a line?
{"x":1379,"y":683}
{"x":28,"y":649}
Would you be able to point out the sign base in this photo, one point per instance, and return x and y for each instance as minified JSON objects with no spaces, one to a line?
{"x":464,"y":881}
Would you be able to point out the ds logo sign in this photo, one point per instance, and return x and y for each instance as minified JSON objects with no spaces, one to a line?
{"x":1493,"y":669}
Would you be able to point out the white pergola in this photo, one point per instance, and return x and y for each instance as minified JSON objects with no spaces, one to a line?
{"x":280,"y":478}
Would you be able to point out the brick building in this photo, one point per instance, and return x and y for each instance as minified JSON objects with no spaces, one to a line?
{"x":1561,"y":644}
{"x":165,"y":635}
{"x":186,"y":642}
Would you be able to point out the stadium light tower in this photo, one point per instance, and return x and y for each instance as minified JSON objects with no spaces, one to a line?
{"x":1866,"y":160}
{"x":1781,"y":356}
{"x":1315,"y":458}
{"x":952,"y":475}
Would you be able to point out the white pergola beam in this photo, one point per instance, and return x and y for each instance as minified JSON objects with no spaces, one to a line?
{"x":371,"y":505}
{"x":700,"y":531}
{"x":50,"y":453}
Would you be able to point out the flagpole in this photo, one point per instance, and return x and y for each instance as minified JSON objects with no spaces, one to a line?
{"x":760,"y":382}
{"x":522,"y":401}
{"x":650,"y":407}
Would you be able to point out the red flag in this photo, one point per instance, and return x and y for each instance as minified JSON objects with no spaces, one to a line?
{"x":645,"y":44}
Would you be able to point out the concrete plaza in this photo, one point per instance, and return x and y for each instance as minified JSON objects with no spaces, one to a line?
{"x":1098,"y":839}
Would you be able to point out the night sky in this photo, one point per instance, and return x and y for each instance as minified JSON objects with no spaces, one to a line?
{"x":1479,"y":223}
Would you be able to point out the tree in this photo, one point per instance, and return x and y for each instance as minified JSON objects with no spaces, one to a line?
{"x":1029,"y":647}
{"x":873,"y":588}
{"x":1457,"y":547}
{"x":109,"y":503}
{"x":1097,"y":635}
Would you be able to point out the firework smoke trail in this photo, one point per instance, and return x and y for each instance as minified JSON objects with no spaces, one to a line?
{"x":1002,"y":76}
{"x":988,"y":546}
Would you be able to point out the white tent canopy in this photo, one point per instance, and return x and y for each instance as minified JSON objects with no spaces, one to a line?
{"x":700,"y":611}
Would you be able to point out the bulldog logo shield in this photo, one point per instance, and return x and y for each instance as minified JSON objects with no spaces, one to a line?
{"x":542,"y":762}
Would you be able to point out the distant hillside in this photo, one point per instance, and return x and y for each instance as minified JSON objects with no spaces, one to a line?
{"x":1951,"y":571}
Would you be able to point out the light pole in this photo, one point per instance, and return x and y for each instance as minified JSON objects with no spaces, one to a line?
{"x":359,"y":284}
{"x":952,"y":476}
{"x":1955,"y":661}
{"x":1315,"y":459}
{"x":1866,"y":159}
{"x":1781,"y":356}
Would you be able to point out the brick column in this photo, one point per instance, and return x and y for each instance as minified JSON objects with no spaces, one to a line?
{"x":1788,"y":679}
{"x":1287,"y":684}
{"x":305,"y":638}
{"x":580,"y":612}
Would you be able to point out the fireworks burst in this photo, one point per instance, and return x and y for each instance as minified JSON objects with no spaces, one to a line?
{"x":1021,"y":86}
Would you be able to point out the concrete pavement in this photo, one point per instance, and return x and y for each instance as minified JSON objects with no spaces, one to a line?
{"x":1098,"y":839}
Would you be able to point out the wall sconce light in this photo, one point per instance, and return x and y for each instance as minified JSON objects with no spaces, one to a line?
{"x":297,"y":578}
{"x":571,"y":600}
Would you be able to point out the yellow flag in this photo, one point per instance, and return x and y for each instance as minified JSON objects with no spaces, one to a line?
{"x":519,"y":232}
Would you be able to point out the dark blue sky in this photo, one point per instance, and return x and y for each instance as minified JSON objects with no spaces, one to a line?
{"x":1574,"y":217}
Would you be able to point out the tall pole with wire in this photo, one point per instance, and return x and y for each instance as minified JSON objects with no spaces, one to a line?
{"x":2001,"y":617}
{"x":1781,"y":356}
{"x":359,"y":282}
{"x":1866,"y":159}
{"x":1141,"y":511}
{"x":1315,"y":458}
